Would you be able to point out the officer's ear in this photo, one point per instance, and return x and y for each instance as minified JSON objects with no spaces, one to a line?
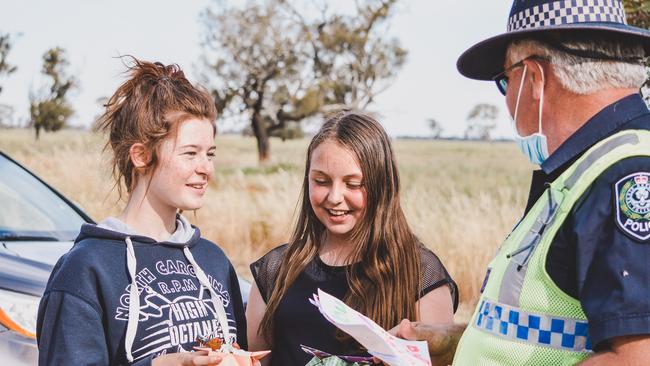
{"x":536,"y":77}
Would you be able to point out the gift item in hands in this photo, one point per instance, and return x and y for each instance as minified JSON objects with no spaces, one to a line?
{"x":231,"y":354}
{"x":227,"y":348}
{"x":379,"y":343}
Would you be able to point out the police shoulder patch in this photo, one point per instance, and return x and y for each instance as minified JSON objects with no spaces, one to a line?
{"x":633,"y":205}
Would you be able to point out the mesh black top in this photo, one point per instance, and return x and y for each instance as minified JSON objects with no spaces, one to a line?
{"x":298,"y":322}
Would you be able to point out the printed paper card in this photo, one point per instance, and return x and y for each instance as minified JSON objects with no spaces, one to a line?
{"x":390,"y":349}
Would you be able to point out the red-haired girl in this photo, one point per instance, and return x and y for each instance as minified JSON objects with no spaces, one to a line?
{"x":140,"y":288}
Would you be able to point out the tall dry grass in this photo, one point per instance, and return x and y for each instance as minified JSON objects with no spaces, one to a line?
{"x":461,"y":198}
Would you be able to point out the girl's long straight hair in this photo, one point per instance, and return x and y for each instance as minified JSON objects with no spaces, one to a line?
{"x":384,"y":275}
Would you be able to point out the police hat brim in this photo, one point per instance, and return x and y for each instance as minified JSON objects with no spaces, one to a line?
{"x":485,"y":59}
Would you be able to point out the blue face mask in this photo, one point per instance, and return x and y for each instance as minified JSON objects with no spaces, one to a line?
{"x":535,"y":146}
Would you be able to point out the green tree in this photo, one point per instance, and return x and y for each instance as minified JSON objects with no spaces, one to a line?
{"x":278,"y":65}
{"x":6,"y":68}
{"x":638,"y":14}
{"x":50,"y":111}
{"x":352,"y":56}
{"x":254,"y":61}
{"x":481,"y":121}
{"x":436,"y":128}
{"x":5,"y":46}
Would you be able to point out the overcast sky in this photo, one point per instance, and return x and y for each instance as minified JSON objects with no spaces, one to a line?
{"x":94,"y":32}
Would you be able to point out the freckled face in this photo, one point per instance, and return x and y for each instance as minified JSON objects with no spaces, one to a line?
{"x":336,"y":191}
{"x":185,"y":167}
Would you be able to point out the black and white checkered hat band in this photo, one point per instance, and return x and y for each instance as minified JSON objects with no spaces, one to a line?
{"x":568,"y":12}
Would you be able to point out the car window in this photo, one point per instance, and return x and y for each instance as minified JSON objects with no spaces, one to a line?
{"x":29,"y":208}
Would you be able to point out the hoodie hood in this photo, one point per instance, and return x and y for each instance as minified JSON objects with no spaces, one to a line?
{"x":186,"y":235}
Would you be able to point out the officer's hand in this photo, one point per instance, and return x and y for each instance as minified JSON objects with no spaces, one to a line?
{"x":441,"y":338}
{"x":416,"y":331}
{"x":406,"y":329}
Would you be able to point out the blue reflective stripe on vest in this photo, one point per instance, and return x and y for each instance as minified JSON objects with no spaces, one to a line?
{"x":541,"y":329}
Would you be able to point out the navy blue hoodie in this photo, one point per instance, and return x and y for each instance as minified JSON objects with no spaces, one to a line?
{"x":83,"y":315}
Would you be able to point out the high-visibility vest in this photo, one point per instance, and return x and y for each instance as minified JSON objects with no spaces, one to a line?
{"x":522,"y":317}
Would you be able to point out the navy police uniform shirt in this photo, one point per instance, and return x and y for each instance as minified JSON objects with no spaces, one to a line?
{"x":601,"y":254}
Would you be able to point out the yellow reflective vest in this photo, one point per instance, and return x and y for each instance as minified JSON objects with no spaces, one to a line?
{"x":522,"y":317}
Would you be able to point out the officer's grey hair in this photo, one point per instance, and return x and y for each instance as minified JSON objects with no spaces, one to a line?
{"x":584,"y":75}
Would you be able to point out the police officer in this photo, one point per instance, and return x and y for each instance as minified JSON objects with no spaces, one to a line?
{"x":571,"y":283}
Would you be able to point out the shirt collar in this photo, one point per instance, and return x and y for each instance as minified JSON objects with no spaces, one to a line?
{"x":603,"y":124}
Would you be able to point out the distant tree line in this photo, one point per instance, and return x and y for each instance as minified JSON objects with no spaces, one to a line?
{"x":279,"y":62}
{"x":481,"y":122}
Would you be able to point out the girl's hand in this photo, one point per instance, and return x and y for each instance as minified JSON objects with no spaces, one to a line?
{"x":199,"y":358}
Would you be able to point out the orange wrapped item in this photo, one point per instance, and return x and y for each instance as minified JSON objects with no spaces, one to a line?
{"x":231,"y":354}
{"x":236,"y":357}
{"x":225,"y":347}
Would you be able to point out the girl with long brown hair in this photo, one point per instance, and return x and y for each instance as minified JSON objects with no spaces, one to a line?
{"x":140,"y":288}
{"x":352,"y":240}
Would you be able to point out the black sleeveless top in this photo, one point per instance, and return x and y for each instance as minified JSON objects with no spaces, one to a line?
{"x":298,"y":322}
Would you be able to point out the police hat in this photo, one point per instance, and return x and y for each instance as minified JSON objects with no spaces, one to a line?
{"x":553,"y":20}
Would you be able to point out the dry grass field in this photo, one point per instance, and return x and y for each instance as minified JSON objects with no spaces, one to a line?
{"x":461,"y":198}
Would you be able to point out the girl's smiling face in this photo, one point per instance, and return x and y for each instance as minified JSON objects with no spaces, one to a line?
{"x":185,"y":167}
{"x":336,"y":190}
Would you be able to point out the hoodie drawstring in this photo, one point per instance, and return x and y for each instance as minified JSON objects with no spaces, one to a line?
{"x":217,"y":302}
{"x":134,"y":300}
